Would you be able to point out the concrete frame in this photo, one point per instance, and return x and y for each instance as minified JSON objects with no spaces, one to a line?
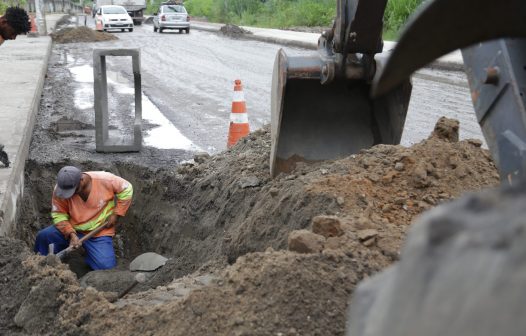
{"x":81,"y":18}
{"x":100,"y":87}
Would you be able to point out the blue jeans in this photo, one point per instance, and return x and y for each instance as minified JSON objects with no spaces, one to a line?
{"x":99,"y":251}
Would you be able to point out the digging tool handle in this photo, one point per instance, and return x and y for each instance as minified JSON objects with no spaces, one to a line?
{"x":64,"y":252}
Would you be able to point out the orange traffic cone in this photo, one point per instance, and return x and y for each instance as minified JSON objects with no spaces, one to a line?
{"x":239,"y":127}
{"x":34,"y":30}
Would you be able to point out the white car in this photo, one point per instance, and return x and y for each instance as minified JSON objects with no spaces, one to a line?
{"x":171,"y":16}
{"x":113,"y":17}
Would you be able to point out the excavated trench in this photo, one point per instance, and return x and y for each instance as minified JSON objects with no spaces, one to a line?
{"x":207,"y":216}
{"x":196,"y":215}
{"x":203,"y":214}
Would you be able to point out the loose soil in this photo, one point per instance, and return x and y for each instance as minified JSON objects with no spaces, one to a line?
{"x":233,"y":31}
{"x":80,"y":34}
{"x":224,"y":224}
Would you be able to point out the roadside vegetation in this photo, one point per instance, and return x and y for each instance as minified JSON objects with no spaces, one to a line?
{"x":284,"y":14}
{"x":8,"y":3}
{"x":396,"y":14}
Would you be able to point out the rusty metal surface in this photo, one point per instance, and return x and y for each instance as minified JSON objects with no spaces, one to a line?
{"x":497,"y":80}
{"x":441,"y":26}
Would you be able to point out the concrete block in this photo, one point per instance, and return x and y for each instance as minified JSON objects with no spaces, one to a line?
{"x":81,"y":20}
{"x":100,"y":87}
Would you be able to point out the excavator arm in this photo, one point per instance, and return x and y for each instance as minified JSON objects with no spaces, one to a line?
{"x":321,"y":105}
{"x":495,"y":68}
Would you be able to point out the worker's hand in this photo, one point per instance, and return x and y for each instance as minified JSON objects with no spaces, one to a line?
{"x":112,"y":221}
{"x":74,"y":241}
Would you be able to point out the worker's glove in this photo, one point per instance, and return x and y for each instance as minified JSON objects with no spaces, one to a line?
{"x":74,"y":240}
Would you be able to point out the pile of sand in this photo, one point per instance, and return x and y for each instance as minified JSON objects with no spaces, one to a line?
{"x":80,"y":34}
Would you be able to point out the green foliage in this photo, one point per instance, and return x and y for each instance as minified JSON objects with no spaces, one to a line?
{"x":9,"y":3}
{"x":152,"y":6}
{"x":200,"y":7}
{"x":396,"y":14}
{"x":289,"y":13}
{"x":266,"y":13}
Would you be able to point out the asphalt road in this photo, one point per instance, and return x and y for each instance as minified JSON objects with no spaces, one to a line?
{"x":189,"y":79}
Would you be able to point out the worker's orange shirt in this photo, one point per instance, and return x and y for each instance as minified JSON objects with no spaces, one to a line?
{"x":109,"y":194}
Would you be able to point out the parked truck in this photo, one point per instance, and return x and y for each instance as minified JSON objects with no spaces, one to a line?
{"x":135,"y":8}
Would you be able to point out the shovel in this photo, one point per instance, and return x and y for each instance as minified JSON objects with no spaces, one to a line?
{"x":70,"y":248}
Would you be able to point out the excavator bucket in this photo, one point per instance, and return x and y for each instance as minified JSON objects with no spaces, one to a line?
{"x":321,"y":106}
{"x":312,"y":121}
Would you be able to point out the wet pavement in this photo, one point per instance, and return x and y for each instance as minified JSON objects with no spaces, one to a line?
{"x":188,"y":84}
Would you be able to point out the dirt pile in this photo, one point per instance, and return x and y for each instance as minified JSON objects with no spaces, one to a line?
{"x":233,"y":31}
{"x":14,"y":282}
{"x":217,"y":210}
{"x":80,"y":34}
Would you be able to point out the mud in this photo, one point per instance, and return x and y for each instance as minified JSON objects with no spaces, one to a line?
{"x":80,"y":34}
{"x":224,"y":209}
{"x":233,"y":31}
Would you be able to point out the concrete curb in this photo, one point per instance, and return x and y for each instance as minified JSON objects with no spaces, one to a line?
{"x":277,"y":40}
{"x":451,"y":62}
{"x":28,"y":52}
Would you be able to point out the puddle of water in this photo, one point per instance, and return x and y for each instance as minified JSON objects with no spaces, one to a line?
{"x":165,"y":136}
{"x":83,"y":96}
{"x":82,"y":74}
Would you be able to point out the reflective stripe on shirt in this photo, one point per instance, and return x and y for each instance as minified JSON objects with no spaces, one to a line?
{"x":127,"y":193}
{"x":100,"y":220}
{"x":59,"y":217}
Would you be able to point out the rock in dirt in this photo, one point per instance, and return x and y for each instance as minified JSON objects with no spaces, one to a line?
{"x":149,"y":261}
{"x":461,"y":272}
{"x":201,"y":157}
{"x":367,"y":234}
{"x":108,"y":280}
{"x":249,"y":182}
{"x":40,"y":307}
{"x":327,"y":226}
{"x":32,"y":288}
{"x":447,"y":129}
{"x":304,"y":241}
{"x":80,"y":34}
{"x":14,"y":282}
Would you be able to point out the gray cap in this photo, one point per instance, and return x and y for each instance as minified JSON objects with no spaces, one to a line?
{"x":68,"y":179}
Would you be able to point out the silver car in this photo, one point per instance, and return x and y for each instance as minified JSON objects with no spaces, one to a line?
{"x":171,"y":17}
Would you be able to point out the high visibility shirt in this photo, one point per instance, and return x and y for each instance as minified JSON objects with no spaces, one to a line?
{"x":109,"y":194}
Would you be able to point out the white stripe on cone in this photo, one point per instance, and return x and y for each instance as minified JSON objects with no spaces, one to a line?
{"x":239,"y":118}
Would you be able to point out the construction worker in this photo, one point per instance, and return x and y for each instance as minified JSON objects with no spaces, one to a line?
{"x":15,"y":21}
{"x":81,"y":202}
